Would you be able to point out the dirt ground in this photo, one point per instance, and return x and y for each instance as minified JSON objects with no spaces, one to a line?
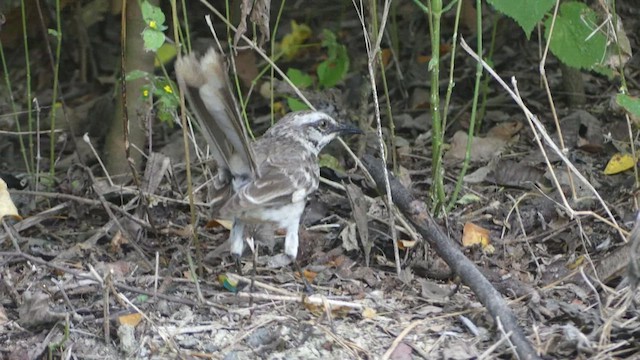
{"x":101,"y":270}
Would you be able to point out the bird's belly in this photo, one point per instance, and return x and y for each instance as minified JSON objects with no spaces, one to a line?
{"x":280,"y":215}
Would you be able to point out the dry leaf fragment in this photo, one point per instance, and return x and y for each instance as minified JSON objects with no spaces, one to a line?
{"x":406,"y":244}
{"x":359,"y":208}
{"x":246,"y":67}
{"x":369,"y":313}
{"x":386,"y":56}
{"x":619,"y":163}
{"x":337,"y":312}
{"x":258,"y":10}
{"x":7,"y":207}
{"x":35,"y":311}
{"x":291,"y":43}
{"x":475,"y":235}
{"x":3,"y":316}
{"x":130,"y":319}
{"x":484,"y":148}
{"x":348,"y":237}
{"x":505,"y":130}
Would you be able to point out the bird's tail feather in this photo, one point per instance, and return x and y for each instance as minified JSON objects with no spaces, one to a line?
{"x":206,"y":85}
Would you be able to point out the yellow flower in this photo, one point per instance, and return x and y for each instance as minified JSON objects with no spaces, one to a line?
{"x":167,"y":89}
{"x":153,"y":24}
{"x":145,"y":93}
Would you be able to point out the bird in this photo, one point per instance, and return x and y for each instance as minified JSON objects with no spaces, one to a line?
{"x":263,"y":181}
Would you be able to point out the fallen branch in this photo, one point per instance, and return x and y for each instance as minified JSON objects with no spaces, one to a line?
{"x":416,"y":212}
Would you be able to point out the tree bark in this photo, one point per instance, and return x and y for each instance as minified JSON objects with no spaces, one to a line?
{"x":138,"y":109}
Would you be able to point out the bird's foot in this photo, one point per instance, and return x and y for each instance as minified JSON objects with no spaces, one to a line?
{"x":296,"y":267}
{"x":236,"y":259}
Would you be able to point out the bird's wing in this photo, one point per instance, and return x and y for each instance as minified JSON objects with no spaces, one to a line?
{"x":206,"y":85}
{"x":284,"y":180}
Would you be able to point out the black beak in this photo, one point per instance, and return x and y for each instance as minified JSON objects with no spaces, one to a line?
{"x":347,"y":129}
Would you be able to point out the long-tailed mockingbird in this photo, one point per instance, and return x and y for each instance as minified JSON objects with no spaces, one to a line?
{"x":268,"y":180}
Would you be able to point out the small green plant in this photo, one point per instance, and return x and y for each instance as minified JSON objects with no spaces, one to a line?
{"x":527,"y":13}
{"x":301,"y":80}
{"x":153,"y":34}
{"x":630,"y":103}
{"x":161,"y":89}
{"x":329,"y":72}
{"x":332,"y":70}
{"x":576,"y":39}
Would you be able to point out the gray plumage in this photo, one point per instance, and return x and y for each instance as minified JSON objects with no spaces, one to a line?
{"x":269,"y":179}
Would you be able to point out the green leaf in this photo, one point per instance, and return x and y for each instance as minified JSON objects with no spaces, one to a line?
{"x":152,"y":13}
{"x":629,"y":103}
{"x":135,"y":75}
{"x":335,"y":68}
{"x":53,"y":32}
{"x":468,"y":199}
{"x":166,"y":53}
{"x":331,"y":72}
{"x":527,"y":13}
{"x":330,"y":42}
{"x":574,"y":40}
{"x":328,"y":161}
{"x":299,"y":79}
{"x":296,"y":105}
{"x":153,"y":39}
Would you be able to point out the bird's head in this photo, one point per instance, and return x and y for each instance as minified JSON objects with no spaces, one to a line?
{"x":313,"y":129}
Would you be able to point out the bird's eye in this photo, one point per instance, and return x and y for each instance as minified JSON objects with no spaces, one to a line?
{"x":323,"y":124}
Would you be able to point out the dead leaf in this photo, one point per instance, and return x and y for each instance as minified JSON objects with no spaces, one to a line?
{"x":258,"y":10}
{"x":620,"y":53}
{"x":117,"y":241}
{"x":515,"y":174}
{"x":582,"y":130}
{"x":619,"y":163}
{"x":337,"y":312}
{"x":481,"y":173}
{"x":7,"y":207}
{"x":505,"y":130}
{"x":475,"y":235}
{"x":348,"y":237}
{"x":386,"y":56}
{"x":433,"y":290}
{"x":308,"y":274}
{"x":402,"y":352}
{"x":406,"y":276}
{"x":369,"y":313}
{"x":468,"y":17}
{"x":3,"y":316}
{"x":359,"y":209}
{"x":130,"y":319}
{"x":406,"y":244}
{"x":482,"y":149}
{"x":35,"y":311}
{"x":404,"y":177}
{"x":214,"y":223}
{"x":419,"y":98}
{"x":246,"y":67}
{"x":118,"y":269}
{"x":420,"y":123}
{"x":291,"y":43}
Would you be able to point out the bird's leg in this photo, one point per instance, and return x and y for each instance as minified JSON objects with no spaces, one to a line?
{"x":254,"y":271}
{"x":296,"y":268}
{"x":236,"y":240}
{"x":251,"y":232}
{"x":291,"y":250}
{"x":238,"y":263}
